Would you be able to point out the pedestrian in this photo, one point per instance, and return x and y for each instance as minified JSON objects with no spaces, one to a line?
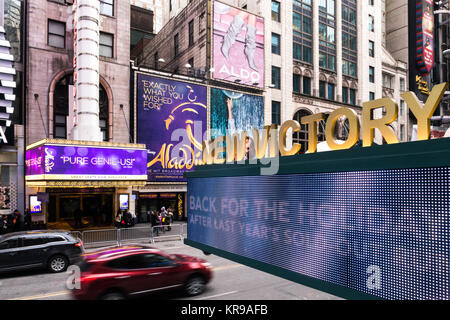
{"x":159,"y":220}
{"x":133,"y":218}
{"x":155,"y":222}
{"x":164,"y":217}
{"x":27,"y":220}
{"x":170,"y":218}
{"x":118,"y":219}
{"x":17,"y":223}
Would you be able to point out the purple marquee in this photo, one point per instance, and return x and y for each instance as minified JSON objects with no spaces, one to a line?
{"x":68,"y":162}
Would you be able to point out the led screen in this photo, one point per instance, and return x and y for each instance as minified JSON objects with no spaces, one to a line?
{"x":35,"y":205}
{"x":123,"y":201}
{"x":384,"y":232}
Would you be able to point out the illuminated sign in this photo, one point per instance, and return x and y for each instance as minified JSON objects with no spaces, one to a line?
{"x":35,"y":205}
{"x":238,"y":45}
{"x":378,"y":232}
{"x":274,"y":141}
{"x":73,"y":162}
{"x":424,"y":36}
{"x":124,"y":201}
{"x":171,"y":122}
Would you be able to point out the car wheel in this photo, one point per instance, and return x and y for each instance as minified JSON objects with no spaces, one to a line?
{"x":195,"y":285}
{"x":113,"y":295}
{"x":58,"y":263}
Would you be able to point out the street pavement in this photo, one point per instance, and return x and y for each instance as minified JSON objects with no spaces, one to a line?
{"x":231,"y":281}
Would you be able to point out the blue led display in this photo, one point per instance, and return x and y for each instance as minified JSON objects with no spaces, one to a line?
{"x":384,"y":232}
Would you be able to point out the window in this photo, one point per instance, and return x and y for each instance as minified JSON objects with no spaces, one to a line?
{"x":54,"y":239}
{"x":387,"y":81}
{"x":297,"y":51}
{"x":331,"y":87}
{"x":302,"y":31}
{"x":371,"y":2}
{"x":371,"y":96}
{"x":402,"y":132}
{"x":276,"y":11}
{"x":327,"y":34}
{"x":402,"y":85}
{"x":401,"y":108}
{"x":191,"y":62}
{"x":296,"y":83}
{"x":301,"y":136}
{"x":322,"y":89}
{"x":276,"y":75}
{"x":349,"y":38}
{"x":9,"y":244}
{"x":107,"y":7}
{"x":372,"y":74}
{"x":106,"y":45}
{"x":191,"y":32}
{"x":60,"y":126}
{"x":56,"y":34}
{"x":275,"y":43}
{"x":276,"y":106}
{"x":307,"y":86}
{"x":33,"y":241}
{"x":175,"y":44}
{"x":352,"y":100}
{"x":344,"y":95}
{"x":371,"y":23}
{"x":371,"y":49}
{"x":327,"y":61}
{"x":349,"y":68}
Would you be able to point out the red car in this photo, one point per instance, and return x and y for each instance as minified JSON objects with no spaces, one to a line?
{"x":126,"y":272}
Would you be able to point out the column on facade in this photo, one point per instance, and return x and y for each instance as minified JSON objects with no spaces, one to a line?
{"x":315,"y":22}
{"x":339,"y":50}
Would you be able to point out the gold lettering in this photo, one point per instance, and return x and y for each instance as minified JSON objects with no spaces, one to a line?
{"x":353,"y":134}
{"x":219,"y":149}
{"x":311,"y":122}
{"x":261,"y":141}
{"x":295,"y":126}
{"x":369,"y":124}
{"x":236,"y":146}
{"x":208,"y":152}
{"x":424,"y":114}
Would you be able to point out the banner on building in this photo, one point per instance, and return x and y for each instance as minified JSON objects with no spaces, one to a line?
{"x":171,"y":122}
{"x":233,"y":111}
{"x":424,"y":36}
{"x":238,"y":45}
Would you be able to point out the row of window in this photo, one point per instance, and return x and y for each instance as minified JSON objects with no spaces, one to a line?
{"x":56,"y":37}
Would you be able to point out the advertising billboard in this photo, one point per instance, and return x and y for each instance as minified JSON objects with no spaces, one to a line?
{"x":171,"y":122}
{"x":70,"y":162}
{"x":380,"y":232}
{"x":233,"y":111}
{"x":238,"y":45}
{"x":424,"y":36}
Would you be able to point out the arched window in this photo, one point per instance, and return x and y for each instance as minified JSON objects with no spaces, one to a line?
{"x":301,"y":136}
{"x":61,"y":100}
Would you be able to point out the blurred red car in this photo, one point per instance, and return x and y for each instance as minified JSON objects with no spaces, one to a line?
{"x":126,"y":272}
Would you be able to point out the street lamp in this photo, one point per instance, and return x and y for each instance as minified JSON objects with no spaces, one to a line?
{"x":446,"y":54}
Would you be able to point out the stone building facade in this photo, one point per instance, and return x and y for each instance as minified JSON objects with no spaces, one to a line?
{"x":327,"y":54}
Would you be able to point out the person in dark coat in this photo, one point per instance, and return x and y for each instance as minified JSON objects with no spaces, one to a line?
{"x":17,"y":224}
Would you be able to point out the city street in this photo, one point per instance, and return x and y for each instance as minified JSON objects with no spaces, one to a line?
{"x":231,"y":281}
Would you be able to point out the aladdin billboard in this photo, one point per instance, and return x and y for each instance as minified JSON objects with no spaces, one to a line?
{"x":238,"y":45}
{"x":80,"y":162}
{"x":424,"y":36}
{"x":171,"y":122}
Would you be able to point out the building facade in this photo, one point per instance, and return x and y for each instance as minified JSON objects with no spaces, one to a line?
{"x":54,"y":108}
{"x":319,"y":55}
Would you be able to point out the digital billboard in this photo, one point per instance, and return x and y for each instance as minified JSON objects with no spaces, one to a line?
{"x":233,"y":111}
{"x":424,"y":36}
{"x":171,"y":122}
{"x":382,"y":232}
{"x":71,"y":162}
{"x":238,"y":45}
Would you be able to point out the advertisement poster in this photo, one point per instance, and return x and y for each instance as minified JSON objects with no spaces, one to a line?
{"x":171,"y":122}
{"x":5,"y":200}
{"x":235,"y":112}
{"x":238,"y":45}
{"x":425,"y":36}
{"x":70,"y":162}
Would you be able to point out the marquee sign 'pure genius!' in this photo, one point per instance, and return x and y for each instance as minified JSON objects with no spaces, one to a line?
{"x":64,"y":162}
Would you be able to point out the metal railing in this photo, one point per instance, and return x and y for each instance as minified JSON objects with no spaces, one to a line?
{"x":147,"y":233}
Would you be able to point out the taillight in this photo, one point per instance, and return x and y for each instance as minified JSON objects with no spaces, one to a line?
{"x":79,"y":244}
